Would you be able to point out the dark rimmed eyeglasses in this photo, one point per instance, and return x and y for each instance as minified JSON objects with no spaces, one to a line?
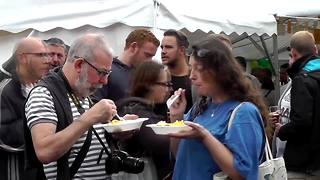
{"x":101,"y":72}
{"x":39,"y":54}
{"x":166,"y":84}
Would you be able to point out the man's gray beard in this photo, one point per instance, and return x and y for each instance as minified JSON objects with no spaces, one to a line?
{"x":81,"y":84}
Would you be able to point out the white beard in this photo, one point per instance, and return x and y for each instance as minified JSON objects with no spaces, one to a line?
{"x":83,"y":87}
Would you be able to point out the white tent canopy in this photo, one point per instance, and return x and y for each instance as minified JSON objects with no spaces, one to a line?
{"x":251,"y":20}
{"x":69,"y":19}
{"x":216,"y":16}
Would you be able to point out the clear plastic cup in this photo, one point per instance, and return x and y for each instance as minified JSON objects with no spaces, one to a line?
{"x":275,"y":110}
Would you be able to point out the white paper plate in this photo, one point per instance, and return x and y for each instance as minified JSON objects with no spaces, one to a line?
{"x":164,"y":130}
{"x":126,"y":125}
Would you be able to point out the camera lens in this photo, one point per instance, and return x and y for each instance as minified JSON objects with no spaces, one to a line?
{"x":121,"y":161}
{"x":133,"y":165}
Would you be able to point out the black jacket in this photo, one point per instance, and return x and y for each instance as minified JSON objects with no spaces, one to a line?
{"x":11,"y":129}
{"x":145,"y":142}
{"x":12,"y":112}
{"x":302,"y":133}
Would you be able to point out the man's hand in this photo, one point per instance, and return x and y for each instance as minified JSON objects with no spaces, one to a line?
{"x":277,"y":128}
{"x":101,"y":112}
{"x":274,"y":117}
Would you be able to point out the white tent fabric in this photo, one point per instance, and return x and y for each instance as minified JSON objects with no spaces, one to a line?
{"x":69,"y":19}
{"x":19,"y":15}
{"x":217,"y":16}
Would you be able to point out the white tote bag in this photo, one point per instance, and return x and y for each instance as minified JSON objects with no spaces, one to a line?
{"x":271,"y":169}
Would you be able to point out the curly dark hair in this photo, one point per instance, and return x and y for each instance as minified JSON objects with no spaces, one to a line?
{"x":220,"y":65}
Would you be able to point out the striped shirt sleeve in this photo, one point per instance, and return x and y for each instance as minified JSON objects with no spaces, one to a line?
{"x":40,"y":108}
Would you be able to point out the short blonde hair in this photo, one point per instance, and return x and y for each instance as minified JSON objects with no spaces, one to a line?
{"x":303,"y":42}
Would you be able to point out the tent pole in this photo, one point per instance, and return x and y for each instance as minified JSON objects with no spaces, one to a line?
{"x":267,"y":53}
{"x":260,"y":49}
{"x":240,"y":38}
{"x":275,"y":64}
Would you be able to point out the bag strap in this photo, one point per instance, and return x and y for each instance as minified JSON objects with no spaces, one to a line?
{"x":233,"y":114}
{"x":267,"y":149}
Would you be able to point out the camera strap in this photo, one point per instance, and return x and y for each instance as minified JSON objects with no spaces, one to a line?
{"x":99,"y":139}
{"x":86,"y":145}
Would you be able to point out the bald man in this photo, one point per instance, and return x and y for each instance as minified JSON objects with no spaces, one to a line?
{"x":32,"y":63}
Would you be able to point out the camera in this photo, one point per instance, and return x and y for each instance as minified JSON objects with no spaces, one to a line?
{"x":121,"y":161}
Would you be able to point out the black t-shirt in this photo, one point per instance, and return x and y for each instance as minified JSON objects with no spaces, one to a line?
{"x":185,"y":83}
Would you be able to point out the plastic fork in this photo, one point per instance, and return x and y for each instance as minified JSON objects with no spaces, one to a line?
{"x":120,"y":118}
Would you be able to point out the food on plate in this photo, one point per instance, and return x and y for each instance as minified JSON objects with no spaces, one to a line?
{"x":164,"y":128}
{"x":115,"y":122}
{"x":176,"y":123}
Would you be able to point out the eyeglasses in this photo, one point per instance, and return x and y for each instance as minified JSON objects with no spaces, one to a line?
{"x":167,"y":84}
{"x":40,"y":54}
{"x":101,"y":72}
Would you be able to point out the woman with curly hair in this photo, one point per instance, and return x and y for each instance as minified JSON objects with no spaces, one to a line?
{"x":211,"y":146}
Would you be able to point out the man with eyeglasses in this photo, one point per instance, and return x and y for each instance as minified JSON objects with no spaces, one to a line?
{"x":141,"y":45}
{"x":57,"y":51}
{"x":31,"y":62}
{"x":60,"y":115}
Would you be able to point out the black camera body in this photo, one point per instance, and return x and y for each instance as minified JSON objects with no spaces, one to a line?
{"x":121,"y":161}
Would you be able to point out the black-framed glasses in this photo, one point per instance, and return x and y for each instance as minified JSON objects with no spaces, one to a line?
{"x":167,"y":84}
{"x":101,"y":72}
{"x":39,"y":54}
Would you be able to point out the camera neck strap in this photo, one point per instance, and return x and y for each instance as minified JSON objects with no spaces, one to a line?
{"x":86,"y":145}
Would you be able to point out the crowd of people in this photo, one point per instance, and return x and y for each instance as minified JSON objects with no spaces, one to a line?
{"x":53,"y":94}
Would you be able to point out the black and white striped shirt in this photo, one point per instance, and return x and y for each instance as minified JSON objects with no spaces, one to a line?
{"x":40,"y":109}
